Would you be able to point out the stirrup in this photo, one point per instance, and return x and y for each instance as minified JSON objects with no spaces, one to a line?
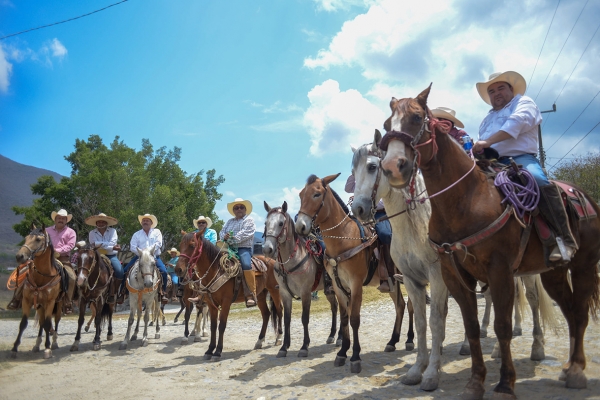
{"x":399,"y":278}
{"x":250,"y":302}
{"x":384,"y":287}
{"x":561,"y":252}
{"x":14,"y":305}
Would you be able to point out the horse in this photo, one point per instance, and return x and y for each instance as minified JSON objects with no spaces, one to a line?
{"x":201,"y":320}
{"x":43,"y":289}
{"x":94,"y":277}
{"x":466,"y":212}
{"x":299,"y":273}
{"x":411,"y":253}
{"x":142,"y":281}
{"x":219,"y":282}
{"x":351,"y":265}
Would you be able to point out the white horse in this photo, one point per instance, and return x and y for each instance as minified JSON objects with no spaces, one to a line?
{"x":412,"y":254}
{"x":142,"y":281}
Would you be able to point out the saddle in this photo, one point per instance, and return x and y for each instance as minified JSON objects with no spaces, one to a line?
{"x":258,"y":266}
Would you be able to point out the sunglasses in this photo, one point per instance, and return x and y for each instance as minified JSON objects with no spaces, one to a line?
{"x":201,"y":222}
{"x":239,"y":207}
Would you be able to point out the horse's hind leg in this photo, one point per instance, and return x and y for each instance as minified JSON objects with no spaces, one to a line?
{"x":306,"y":301}
{"x":80,"y":321}
{"x":38,"y":340}
{"x":341,"y":356}
{"x":264,"y":312}
{"x":57,"y":317}
{"x":532,"y":294}
{"x":334,"y":310}
{"x":409,"y":345}
{"x":485,"y":322}
{"x":186,"y":321}
{"x":109,"y":334}
{"x":157,"y":307}
{"x":92,"y":317}
{"x":204,"y":309}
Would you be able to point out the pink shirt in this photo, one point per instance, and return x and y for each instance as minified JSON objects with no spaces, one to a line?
{"x":63,"y":241}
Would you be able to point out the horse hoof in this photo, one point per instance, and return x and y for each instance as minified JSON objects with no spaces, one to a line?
{"x":13,"y":354}
{"x":339,"y":361}
{"x":54,"y":346}
{"x":355,"y":367}
{"x":409,"y":346}
{"x":134,"y":337}
{"x":197,"y":339}
{"x":278,"y":342}
{"x":205,"y":334}
{"x":151,"y":323}
{"x":164,"y":322}
{"x":330,"y":340}
{"x":563,"y":375}
{"x":74,"y":348}
{"x":175,"y":321}
{"x":472,"y":394}
{"x":258,"y":345}
{"x":538,"y":355}
{"x":517,"y":332}
{"x":123,"y":346}
{"x":483,"y":334}
{"x":215,"y":358}
{"x":109,"y":337}
{"x":576,"y":379}
{"x":207,"y":356}
{"x":389,"y":348}
{"x":144,"y":342}
{"x":281,"y":353}
{"x":303,"y":353}
{"x":96,"y":346}
{"x":47,"y":354}
{"x":430,"y":384}
{"x":157,"y":336}
{"x":184,"y":341}
{"x":36,"y":349}
{"x":87,"y":328}
{"x":338,"y":343}
{"x":465,"y":350}
{"x":502,"y":396}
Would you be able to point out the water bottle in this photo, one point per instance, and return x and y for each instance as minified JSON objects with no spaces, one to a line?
{"x":467,"y":143}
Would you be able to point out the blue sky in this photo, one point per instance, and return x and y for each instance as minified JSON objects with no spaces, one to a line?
{"x":268,"y":92}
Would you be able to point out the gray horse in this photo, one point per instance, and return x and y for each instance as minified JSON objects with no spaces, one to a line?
{"x":143,"y":281}
{"x":411,"y":253}
{"x":296,"y":273}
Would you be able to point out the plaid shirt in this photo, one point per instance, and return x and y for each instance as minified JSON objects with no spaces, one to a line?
{"x":243,"y":230}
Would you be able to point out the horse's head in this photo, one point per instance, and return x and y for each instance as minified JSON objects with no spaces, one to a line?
{"x":186,"y":250}
{"x":276,"y":228}
{"x":147,"y":264}
{"x":36,"y":243}
{"x":312,"y":200}
{"x":87,"y":261}
{"x":407,"y":129}
{"x":369,"y":186}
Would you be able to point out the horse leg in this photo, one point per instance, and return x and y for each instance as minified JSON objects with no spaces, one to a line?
{"x":264,"y":312}
{"x":157,"y":304}
{"x":111,"y":310}
{"x":137,"y":322}
{"x":38,"y":340}
{"x":334,"y":309}
{"x":399,"y":306}
{"x":197,"y":325}
{"x":355,"y":303}
{"x":57,"y":317}
{"x":81,"y":320}
{"x":340,"y":358}
{"x":204,"y":320}
{"x":149,"y":305}
{"x":96,"y":344}
{"x":306,"y":301}
{"x":214,"y":314}
{"x":409,"y":345}
{"x":93,"y":316}
{"x":287,"y":320}
{"x":468,"y":309}
{"x":222,"y":326}
{"x":181,"y":302}
{"x":132,"y":308}
{"x":26,"y":307}
{"x":186,"y":321}
{"x":48,"y":328}
{"x":485,"y":322}
{"x":416,"y":292}
{"x":532,"y":293}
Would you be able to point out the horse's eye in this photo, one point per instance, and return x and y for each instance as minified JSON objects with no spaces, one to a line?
{"x":317,"y":195}
{"x":416,"y":118}
{"x":372,"y":167}
{"x":281,"y":224}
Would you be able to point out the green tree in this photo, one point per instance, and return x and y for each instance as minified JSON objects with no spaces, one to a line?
{"x":584,"y":171}
{"x":124,"y":183}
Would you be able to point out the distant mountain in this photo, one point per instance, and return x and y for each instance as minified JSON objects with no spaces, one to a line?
{"x":15,"y":190}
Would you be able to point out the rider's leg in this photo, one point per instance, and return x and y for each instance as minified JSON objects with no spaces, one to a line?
{"x":384,"y":233}
{"x":175,"y":282}
{"x":117,"y":278}
{"x":122,"y":288}
{"x":163,"y":271}
{"x":245,"y":254}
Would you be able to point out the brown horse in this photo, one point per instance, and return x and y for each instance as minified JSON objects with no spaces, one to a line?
{"x":212,"y":267}
{"x":464,"y":203}
{"x":94,"y":277}
{"x":350,"y":264}
{"x":43,"y":289}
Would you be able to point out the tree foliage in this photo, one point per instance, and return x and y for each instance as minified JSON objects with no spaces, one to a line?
{"x":584,"y":171}
{"x":124,"y":183}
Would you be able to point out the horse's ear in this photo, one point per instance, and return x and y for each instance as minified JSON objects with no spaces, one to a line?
{"x":139,"y":250}
{"x":328,"y":179}
{"x":422,"y":97}
{"x":353,"y":148}
{"x":376,"y":139}
{"x":183,"y":233}
{"x":97,"y":245}
{"x":32,"y":226}
{"x":267,"y":208}
{"x":284,"y":206}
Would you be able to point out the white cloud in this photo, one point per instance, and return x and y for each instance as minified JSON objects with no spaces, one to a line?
{"x":58,"y":49}
{"x":335,"y":5}
{"x":277,"y":126}
{"x":5,"y":71}
{"x":337,"y":118}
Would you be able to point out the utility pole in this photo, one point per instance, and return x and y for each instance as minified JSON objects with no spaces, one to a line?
{"x":542,"y":154}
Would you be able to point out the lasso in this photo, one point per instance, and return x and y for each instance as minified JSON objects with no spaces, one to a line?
{"x":524,"y":197}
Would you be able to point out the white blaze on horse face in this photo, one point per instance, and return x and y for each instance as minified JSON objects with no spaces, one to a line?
{"x":273,"y":226}
{"x":81,"y":277}
{"x":395,"y":152}
{"x":365,"y":174}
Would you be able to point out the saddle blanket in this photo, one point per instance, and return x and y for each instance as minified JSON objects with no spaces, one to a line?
{"x":258,"y":265}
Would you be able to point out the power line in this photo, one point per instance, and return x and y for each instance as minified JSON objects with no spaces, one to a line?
{"x":574,"y":121}
{"x":543,"y":44}
{"x":561,"y":49}
{"x":61,"y":22}
{"x":586,"y":135}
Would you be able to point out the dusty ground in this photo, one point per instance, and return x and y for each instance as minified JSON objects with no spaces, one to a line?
{"x":167,"y":368}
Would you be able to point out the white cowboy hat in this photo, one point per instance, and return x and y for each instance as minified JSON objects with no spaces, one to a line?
{"x":63,"y":213}
{"x":174,"y":250}
{"x":511,"y":77}
{"x":149,"y":216}
{"x":81,"y":244}
{"x":203,"y":218}
{"x":447,"y":113}
{"x":110,"y":221}
{"x":239,"y":201}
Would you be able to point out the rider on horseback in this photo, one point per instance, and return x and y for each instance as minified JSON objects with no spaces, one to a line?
{"x":511,"y":128}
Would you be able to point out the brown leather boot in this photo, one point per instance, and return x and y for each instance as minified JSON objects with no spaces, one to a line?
{"x":553,"y":209}
{"x":386,"y":284}
{"x":250,"y":288}
{"x":15,"y":302}
{"x":113,"y":290}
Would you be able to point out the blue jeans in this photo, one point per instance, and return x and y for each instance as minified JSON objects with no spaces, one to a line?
{"x":159,"y":264}
{"x":174,"y":278}
{"x":245,"y":254}
{"x":383,"y":228}
{"x":116,"y":264}
{"x":531,"y":164}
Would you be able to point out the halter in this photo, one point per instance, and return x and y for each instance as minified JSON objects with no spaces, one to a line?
{"x":314,"y":217}
{"x":193,"y":259}
{"x":281,"y":234}
{"x":89,"y":271}
{"x":40,"y":249}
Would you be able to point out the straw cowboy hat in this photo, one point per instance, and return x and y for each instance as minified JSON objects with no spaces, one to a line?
{"x":174,"y":250}
{"x":203,"y":218}
{"x":110,"y":221}
{"x":447,"y":113}
{"x":511,"y":77}
{"x":239,"y":201}
{"x":63,"y":213}
{"x":149,"y":216}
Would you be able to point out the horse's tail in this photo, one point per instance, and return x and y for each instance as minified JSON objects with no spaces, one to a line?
{"x":105,"y":314}
{"x":594,"y":302}
{"x":520,"y":294}
{"x":548,"y":314}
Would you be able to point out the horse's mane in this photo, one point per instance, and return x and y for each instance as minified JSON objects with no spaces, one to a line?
{"x":211,"y":250}
{"x":362,"y":151}
{"x":312,"y":178}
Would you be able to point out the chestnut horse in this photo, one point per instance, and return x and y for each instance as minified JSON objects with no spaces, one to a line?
{"x":464,"y":203}
{"x":94,"y":277}
{"x":350,"y":264}
{"x":210,"y":264}
{"x":43,"y":288}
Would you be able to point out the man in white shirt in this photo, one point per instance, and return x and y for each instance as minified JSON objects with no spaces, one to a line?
{"x":107,"y":238}
{"x":146,"y":237}
{"x":511,"y":128}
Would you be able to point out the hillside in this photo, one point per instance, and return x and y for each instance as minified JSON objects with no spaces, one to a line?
{"x":15,"y":190}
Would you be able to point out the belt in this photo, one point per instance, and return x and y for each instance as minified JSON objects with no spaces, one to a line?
{"x":507,"y":157}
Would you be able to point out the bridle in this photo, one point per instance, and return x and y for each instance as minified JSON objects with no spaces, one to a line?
{"x":283,"y":233}
{"x":40,"y":249}
{"x":89,"y":271}
{"x":314,"y":217}
{"x":193,"y":259}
